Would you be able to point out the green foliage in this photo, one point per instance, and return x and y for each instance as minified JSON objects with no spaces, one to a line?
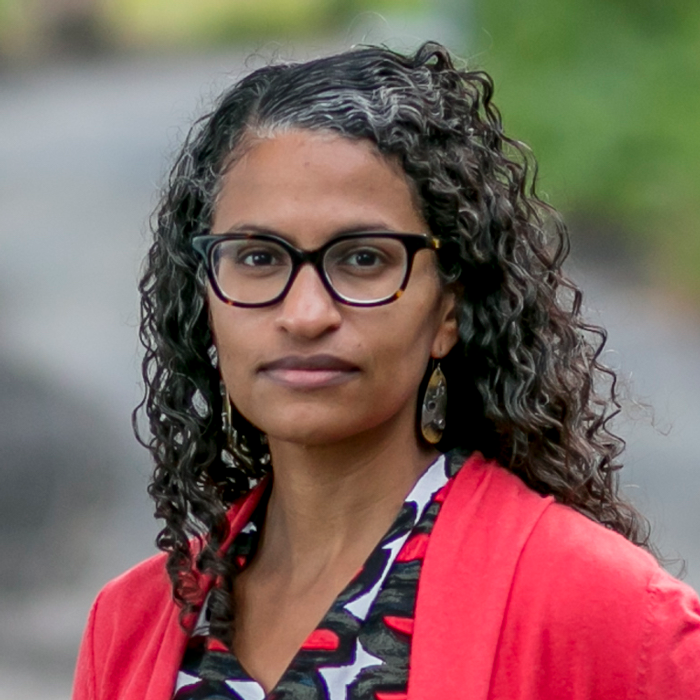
{"x":607,"y":92}
{"x":13,"y":26}
{"x":344,"y":10}
{"x":7,"y":12}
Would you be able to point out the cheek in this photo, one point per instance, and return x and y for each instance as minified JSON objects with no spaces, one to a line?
{"x":402,"y":348}
{"x":233,"y":340}
{"x":237,"y":357}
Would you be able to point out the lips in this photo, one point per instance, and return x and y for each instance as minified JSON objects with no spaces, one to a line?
{"x":310,"y":372}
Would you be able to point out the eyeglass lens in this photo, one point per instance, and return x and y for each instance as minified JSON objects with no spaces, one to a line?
{"x":363,"y":269}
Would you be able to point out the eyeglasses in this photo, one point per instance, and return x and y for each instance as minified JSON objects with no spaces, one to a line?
{"x":359,"y":269}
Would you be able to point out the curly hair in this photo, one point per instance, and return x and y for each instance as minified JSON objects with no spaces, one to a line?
{"x":527,"y":386}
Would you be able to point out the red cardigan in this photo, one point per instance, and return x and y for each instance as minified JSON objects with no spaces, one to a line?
{"x":519,"y":598}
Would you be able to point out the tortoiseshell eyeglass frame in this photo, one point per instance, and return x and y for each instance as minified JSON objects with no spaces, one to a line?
{"x":205,"y":245}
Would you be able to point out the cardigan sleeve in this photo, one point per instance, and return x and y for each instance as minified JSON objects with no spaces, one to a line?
{"x":669,"y":666}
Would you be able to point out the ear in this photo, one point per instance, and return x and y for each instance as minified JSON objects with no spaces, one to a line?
{"x":447,"y":332}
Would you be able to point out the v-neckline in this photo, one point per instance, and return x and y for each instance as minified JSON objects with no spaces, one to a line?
{"x":353,"y":604}
{"x":370,"y":578}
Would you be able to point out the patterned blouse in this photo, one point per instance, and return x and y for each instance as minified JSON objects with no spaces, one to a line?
{"x":361,"y":648}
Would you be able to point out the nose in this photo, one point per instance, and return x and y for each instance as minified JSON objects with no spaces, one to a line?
{"x":308,"y":310}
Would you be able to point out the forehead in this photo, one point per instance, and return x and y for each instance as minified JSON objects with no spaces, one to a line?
{"x":314,"y":184}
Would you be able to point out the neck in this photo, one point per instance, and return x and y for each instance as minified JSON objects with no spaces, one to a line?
{"x":326,"y":500}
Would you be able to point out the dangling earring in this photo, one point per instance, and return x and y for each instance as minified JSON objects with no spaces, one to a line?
{"x":434,"y":410}
{"x":238,"y":452}
{"x":226,"y":418}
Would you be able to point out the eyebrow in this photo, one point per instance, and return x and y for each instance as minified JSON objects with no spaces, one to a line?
{"x":354,"y":228}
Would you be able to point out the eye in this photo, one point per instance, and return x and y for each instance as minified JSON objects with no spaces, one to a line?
{"x":363,"y":257}
{"x":252,"y":254}
{"x":258,"y":258}
{"x":250,"y":258}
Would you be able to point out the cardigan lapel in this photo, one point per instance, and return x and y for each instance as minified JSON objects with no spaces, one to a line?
{"x":464,"y":586}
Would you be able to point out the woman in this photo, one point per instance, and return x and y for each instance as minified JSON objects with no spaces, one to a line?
{"x":412,"y":492}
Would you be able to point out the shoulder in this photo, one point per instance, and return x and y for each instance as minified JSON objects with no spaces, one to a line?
{"x":562,"y":556}
{"x":580,"y":581}
{"x":551,"y":541}
{"x":132,"y":617}
{"x":582,"y":573}
{"x":148,"y":583}
{"x":131,"y":604}
{"x":137,"y":589}
{"x":133,"y":641}
{"x":128,"y":604}
{"x":570,"y":547}
{"x":588,"y":607}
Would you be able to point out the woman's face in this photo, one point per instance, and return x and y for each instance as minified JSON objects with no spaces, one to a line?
{"x":309,"y":369}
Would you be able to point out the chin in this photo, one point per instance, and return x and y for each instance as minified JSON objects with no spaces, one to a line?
{"x":305,"y":421}
{"x":328,"y":433}
{"x":312,"y":435}
{"x":318,"y":424}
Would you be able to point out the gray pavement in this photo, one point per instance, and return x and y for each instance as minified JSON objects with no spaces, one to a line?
{"x":82,"y":149}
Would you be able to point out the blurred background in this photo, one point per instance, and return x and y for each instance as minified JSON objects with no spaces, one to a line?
{"x":95,"y":96}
